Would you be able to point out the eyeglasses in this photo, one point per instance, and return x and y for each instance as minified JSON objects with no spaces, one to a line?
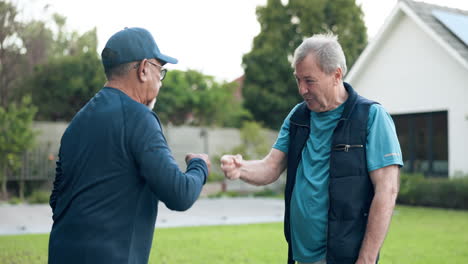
{"x":162,"y":73}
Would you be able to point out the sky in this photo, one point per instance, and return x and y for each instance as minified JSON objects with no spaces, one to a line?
{"x":209,"y":36}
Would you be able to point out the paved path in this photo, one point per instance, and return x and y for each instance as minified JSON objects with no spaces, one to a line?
{"x":27,"y":219}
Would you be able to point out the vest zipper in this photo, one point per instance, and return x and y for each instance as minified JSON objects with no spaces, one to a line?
{"x":297,"y":124}
{"x":346,"y":147}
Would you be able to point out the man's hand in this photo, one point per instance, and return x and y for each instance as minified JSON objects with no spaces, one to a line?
{"x":231,"y":166}
{"x":204,"y":157}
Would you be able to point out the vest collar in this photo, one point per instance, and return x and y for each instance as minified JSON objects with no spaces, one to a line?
{"x":302,"y":115}
{"x":351,"y":102}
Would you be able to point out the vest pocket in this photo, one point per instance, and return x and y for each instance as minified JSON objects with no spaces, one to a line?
{"x":348,"y":197}
{"x":345,"y":239}
{"x":348,"y":213}
{"x":347,"y":159}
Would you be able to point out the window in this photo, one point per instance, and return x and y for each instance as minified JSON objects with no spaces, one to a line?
{"x":424,"y":142}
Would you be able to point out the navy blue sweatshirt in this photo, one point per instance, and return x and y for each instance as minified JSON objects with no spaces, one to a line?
{"x":114,"y":166}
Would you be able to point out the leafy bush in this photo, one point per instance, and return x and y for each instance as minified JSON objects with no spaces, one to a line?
{"x":434,"y":192}
{"x":39,"y":197}
{"x":229,"y":194}
{"x":15,"y":200}
{"x":215,"y":177}
{"x":268,"y":193}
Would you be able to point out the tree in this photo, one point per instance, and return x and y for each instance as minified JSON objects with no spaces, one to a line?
{"x":269,"y":89}
{"x":69,"y":77}
{"x":46,"y":61}
{"x":342,"y":17}
{"x":175,"y":99}
{"x":192,"y":95}
{"x":37,"y":40}
{"x":10,"y":51}
{"x":62,"y":87}
{"x":35,"y":61}
{"x":16,"y":136}
{"x":23,"y":45}
{"x":215,"y":104}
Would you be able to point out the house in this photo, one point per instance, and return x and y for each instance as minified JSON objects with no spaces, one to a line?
{"x":239,"y":85}
{"x":417,"y":68}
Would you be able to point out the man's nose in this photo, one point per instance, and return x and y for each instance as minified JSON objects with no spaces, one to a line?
{"x":302,"y":88}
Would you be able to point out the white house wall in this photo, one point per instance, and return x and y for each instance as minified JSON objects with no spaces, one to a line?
{"x":410,"y":73}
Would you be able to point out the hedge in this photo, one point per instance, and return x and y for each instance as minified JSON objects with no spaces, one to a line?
{"x":433,"y":192}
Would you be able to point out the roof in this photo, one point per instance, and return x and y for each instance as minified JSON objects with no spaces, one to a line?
{"x":422,"y":14}
{"x":424,"y":11}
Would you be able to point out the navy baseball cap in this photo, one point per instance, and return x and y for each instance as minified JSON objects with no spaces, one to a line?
{"x":132,"y":44}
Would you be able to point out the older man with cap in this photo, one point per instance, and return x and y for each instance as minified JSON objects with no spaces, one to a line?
{"x":115,"y":165}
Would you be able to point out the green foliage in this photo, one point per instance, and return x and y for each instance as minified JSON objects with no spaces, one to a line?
{"x":71,"y":43}
{"x":15,"y":200}
{"x":227,"y":194}
{"x":416,"y":236}
{"x":175,"y":99}
{"x":39,"y":197}
{"x":60,"y":69}
{"x":265,"y":193}
{"x":16,"y":136}
{"x":408,"y":182}
{"x":191,"y":94}
{"x":434,"y":192}
{"x":10,"y":51}
{"x":269,"y":89}
{"x":215,"y":177}
{"x":37,"y":40}
{"x":64,"y":85}
{"x":254,"y":142}
{"x":215,"y":104}
{"x":268,"y":193}
{"x":342,"y":17}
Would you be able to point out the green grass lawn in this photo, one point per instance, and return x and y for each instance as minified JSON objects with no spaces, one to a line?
{"x":417,"y":236}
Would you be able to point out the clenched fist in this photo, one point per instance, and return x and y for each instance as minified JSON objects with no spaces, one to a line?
{"x":204,"y":157}
{"x":231,"y":166}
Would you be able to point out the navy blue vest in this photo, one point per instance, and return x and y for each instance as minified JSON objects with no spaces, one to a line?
{"x":350,"y":188}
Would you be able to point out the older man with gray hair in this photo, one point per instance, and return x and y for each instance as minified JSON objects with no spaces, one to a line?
{"x":343,"y":160}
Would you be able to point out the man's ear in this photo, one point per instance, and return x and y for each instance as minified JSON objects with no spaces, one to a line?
{"x":142,"y":71}
{"x":338,"y":76}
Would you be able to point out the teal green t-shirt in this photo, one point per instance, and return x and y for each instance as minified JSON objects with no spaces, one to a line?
{"x":309,"y":201}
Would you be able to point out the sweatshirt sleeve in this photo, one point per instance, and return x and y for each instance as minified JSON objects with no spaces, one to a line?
{"x":383,"y":148}
{"x":55,"y":189}
{"x":176,"y":189}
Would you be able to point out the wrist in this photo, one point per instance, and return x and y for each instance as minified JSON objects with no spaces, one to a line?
{"x":201,"y":165}
{"x":243,"y":175}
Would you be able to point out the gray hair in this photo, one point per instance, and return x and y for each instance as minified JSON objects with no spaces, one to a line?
{"x":118,"y":70}
{"x":327,"y":50}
